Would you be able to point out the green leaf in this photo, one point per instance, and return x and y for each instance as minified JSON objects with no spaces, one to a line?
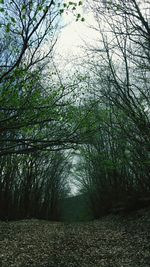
{"x":46,"y":9}
{"x":2,"y":9}
{"x":23,"y":16}
{"x":61,"y":11}
{"x":8,"y":27}
{"x":1,"y":1}
{"x":40,"y":7}
{"x":13,"y":20}
{"x":23,"y":8}
{"x":80,"y":3}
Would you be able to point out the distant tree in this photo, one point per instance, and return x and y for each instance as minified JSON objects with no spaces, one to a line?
{"x":33,"y":186}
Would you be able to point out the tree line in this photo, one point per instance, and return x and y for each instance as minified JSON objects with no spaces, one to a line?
{"x":35,"y":112}
{"x":115,"y":166}
{"x":33,"y":186}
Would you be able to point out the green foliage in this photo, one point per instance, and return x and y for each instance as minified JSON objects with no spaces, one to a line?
{"x":80,"y":3}
{"x":61,"y":11}
{"x":8,"y":27}
{"x":72,"y":7}
{"x":32,"y":101}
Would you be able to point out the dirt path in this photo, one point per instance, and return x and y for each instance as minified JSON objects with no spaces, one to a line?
{"x":113,"y":241}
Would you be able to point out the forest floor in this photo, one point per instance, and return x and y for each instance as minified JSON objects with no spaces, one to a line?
{"x":113,"y":241}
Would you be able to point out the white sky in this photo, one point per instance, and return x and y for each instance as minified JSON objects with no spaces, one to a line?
{"x":69,"y":47}
{"x":74,"y":36}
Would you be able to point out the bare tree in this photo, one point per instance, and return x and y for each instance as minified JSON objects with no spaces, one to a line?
{"x":122,"y":77}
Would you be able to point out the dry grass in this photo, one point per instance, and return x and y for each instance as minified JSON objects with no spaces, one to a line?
{"x":113,"y":241}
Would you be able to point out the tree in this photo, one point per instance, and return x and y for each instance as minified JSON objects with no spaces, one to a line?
{"x":36,"y":114}
{"x":122,"y":77}
{"x":33,"y":103}
{"x":33,"y":185}
{"x":126,"y":70}
{"x":115,"y":163}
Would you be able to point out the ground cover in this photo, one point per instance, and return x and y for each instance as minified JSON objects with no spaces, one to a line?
{"x":113,"y":241}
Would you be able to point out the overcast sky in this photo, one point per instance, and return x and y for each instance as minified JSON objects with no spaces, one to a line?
{"x":70,"y":46}
{"x":74,"y":35}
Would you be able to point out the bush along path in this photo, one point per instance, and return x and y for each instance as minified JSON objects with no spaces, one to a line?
{"x":113,"y":241}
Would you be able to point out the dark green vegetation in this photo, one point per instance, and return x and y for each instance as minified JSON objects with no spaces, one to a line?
{"x":47,"y":117}
{"x":112,"y":241}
